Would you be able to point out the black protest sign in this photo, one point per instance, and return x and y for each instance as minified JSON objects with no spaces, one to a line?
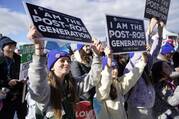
{"x":52,"y":24}
{"x":125,"y":34}
{"x":158,"y":9}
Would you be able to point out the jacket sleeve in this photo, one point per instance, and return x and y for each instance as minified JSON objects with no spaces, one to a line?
{"x":3,"y":75}
{"x":155,"y":49}
{"x":92,"y":78}
{"x":104,"y":86}
{"x":75,"y":70}
{"x":128,"y":80}
{"x":174,"y":99}
{"x":38,"y":84}
{"x":3,"y":78}
{"x":174,"y":75}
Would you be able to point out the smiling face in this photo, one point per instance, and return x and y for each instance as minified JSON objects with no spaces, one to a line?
{"x":8,"y":50}
{"x":62,"y":66}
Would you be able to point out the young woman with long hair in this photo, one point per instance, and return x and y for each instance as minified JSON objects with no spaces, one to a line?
{"x":56,"y":92}
{"x":111,"y":89}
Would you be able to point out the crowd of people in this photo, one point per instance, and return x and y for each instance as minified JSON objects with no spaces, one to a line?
{"x":137,"y":85}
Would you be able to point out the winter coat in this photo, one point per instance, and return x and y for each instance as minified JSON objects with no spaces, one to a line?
{"x":114,"y":109}
{"x":39,"y":88}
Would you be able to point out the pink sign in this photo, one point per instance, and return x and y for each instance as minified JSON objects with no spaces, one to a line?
{"x":84,"y":110}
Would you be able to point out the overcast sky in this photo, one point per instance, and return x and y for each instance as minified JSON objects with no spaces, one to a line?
{"x":14,"y":23}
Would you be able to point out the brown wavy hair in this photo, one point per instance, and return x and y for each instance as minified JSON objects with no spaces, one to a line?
{"x":84,"y":56}
{"x":57,"y":96}
{"x":113,"y":92}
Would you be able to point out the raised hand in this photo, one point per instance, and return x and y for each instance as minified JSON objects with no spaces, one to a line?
{"x":145,"y":57}
{"x":151,"y":25}
{"x":35,"y":36}
{"x":108,"y":53}
{"x":160,"y":28}
{"x":96,"y":46}
{"x":12,"y":82}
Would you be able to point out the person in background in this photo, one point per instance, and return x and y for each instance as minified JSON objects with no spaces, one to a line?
{"x":176,"y":56}
{"x":9,"y":80}
{"x":56,"y":92}
{"x":141,"y":97}
{"x":111,"y":89}
{"x":166,"y":53}
{"x":166,"y":92}
{"x":176,"y":63}
{"x":81,"y":66}
{"x":170,"y":55}
{"x":122,"y":60}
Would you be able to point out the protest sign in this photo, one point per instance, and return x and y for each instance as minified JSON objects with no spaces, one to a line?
{"x":125,"y":34}
{"x":158,"y":9}
{"x":56,"y":25}
{"x":84,"y":110}
{"x":26,"y":52}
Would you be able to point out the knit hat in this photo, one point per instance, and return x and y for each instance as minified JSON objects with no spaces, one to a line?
{"x":167,"y":49}
{"x":6,"y":41}
{"x":53,"y":56}
{"x":80,"y":46}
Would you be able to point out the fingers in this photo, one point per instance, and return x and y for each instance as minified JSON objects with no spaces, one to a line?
{"x":97,"y":46}
{"x":12,"y":82}
{"x":145,"y":57}
{"x":155,"y":23}
{"x":33,"y":33}
{"x":162,"y":24}
{"x":96,"y":42}
{"x":148,"y":48}
{"x":160,"y":28}
{"x":154,"y":20}
{"x":152,"y":24}
{"x":108,"y":52}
